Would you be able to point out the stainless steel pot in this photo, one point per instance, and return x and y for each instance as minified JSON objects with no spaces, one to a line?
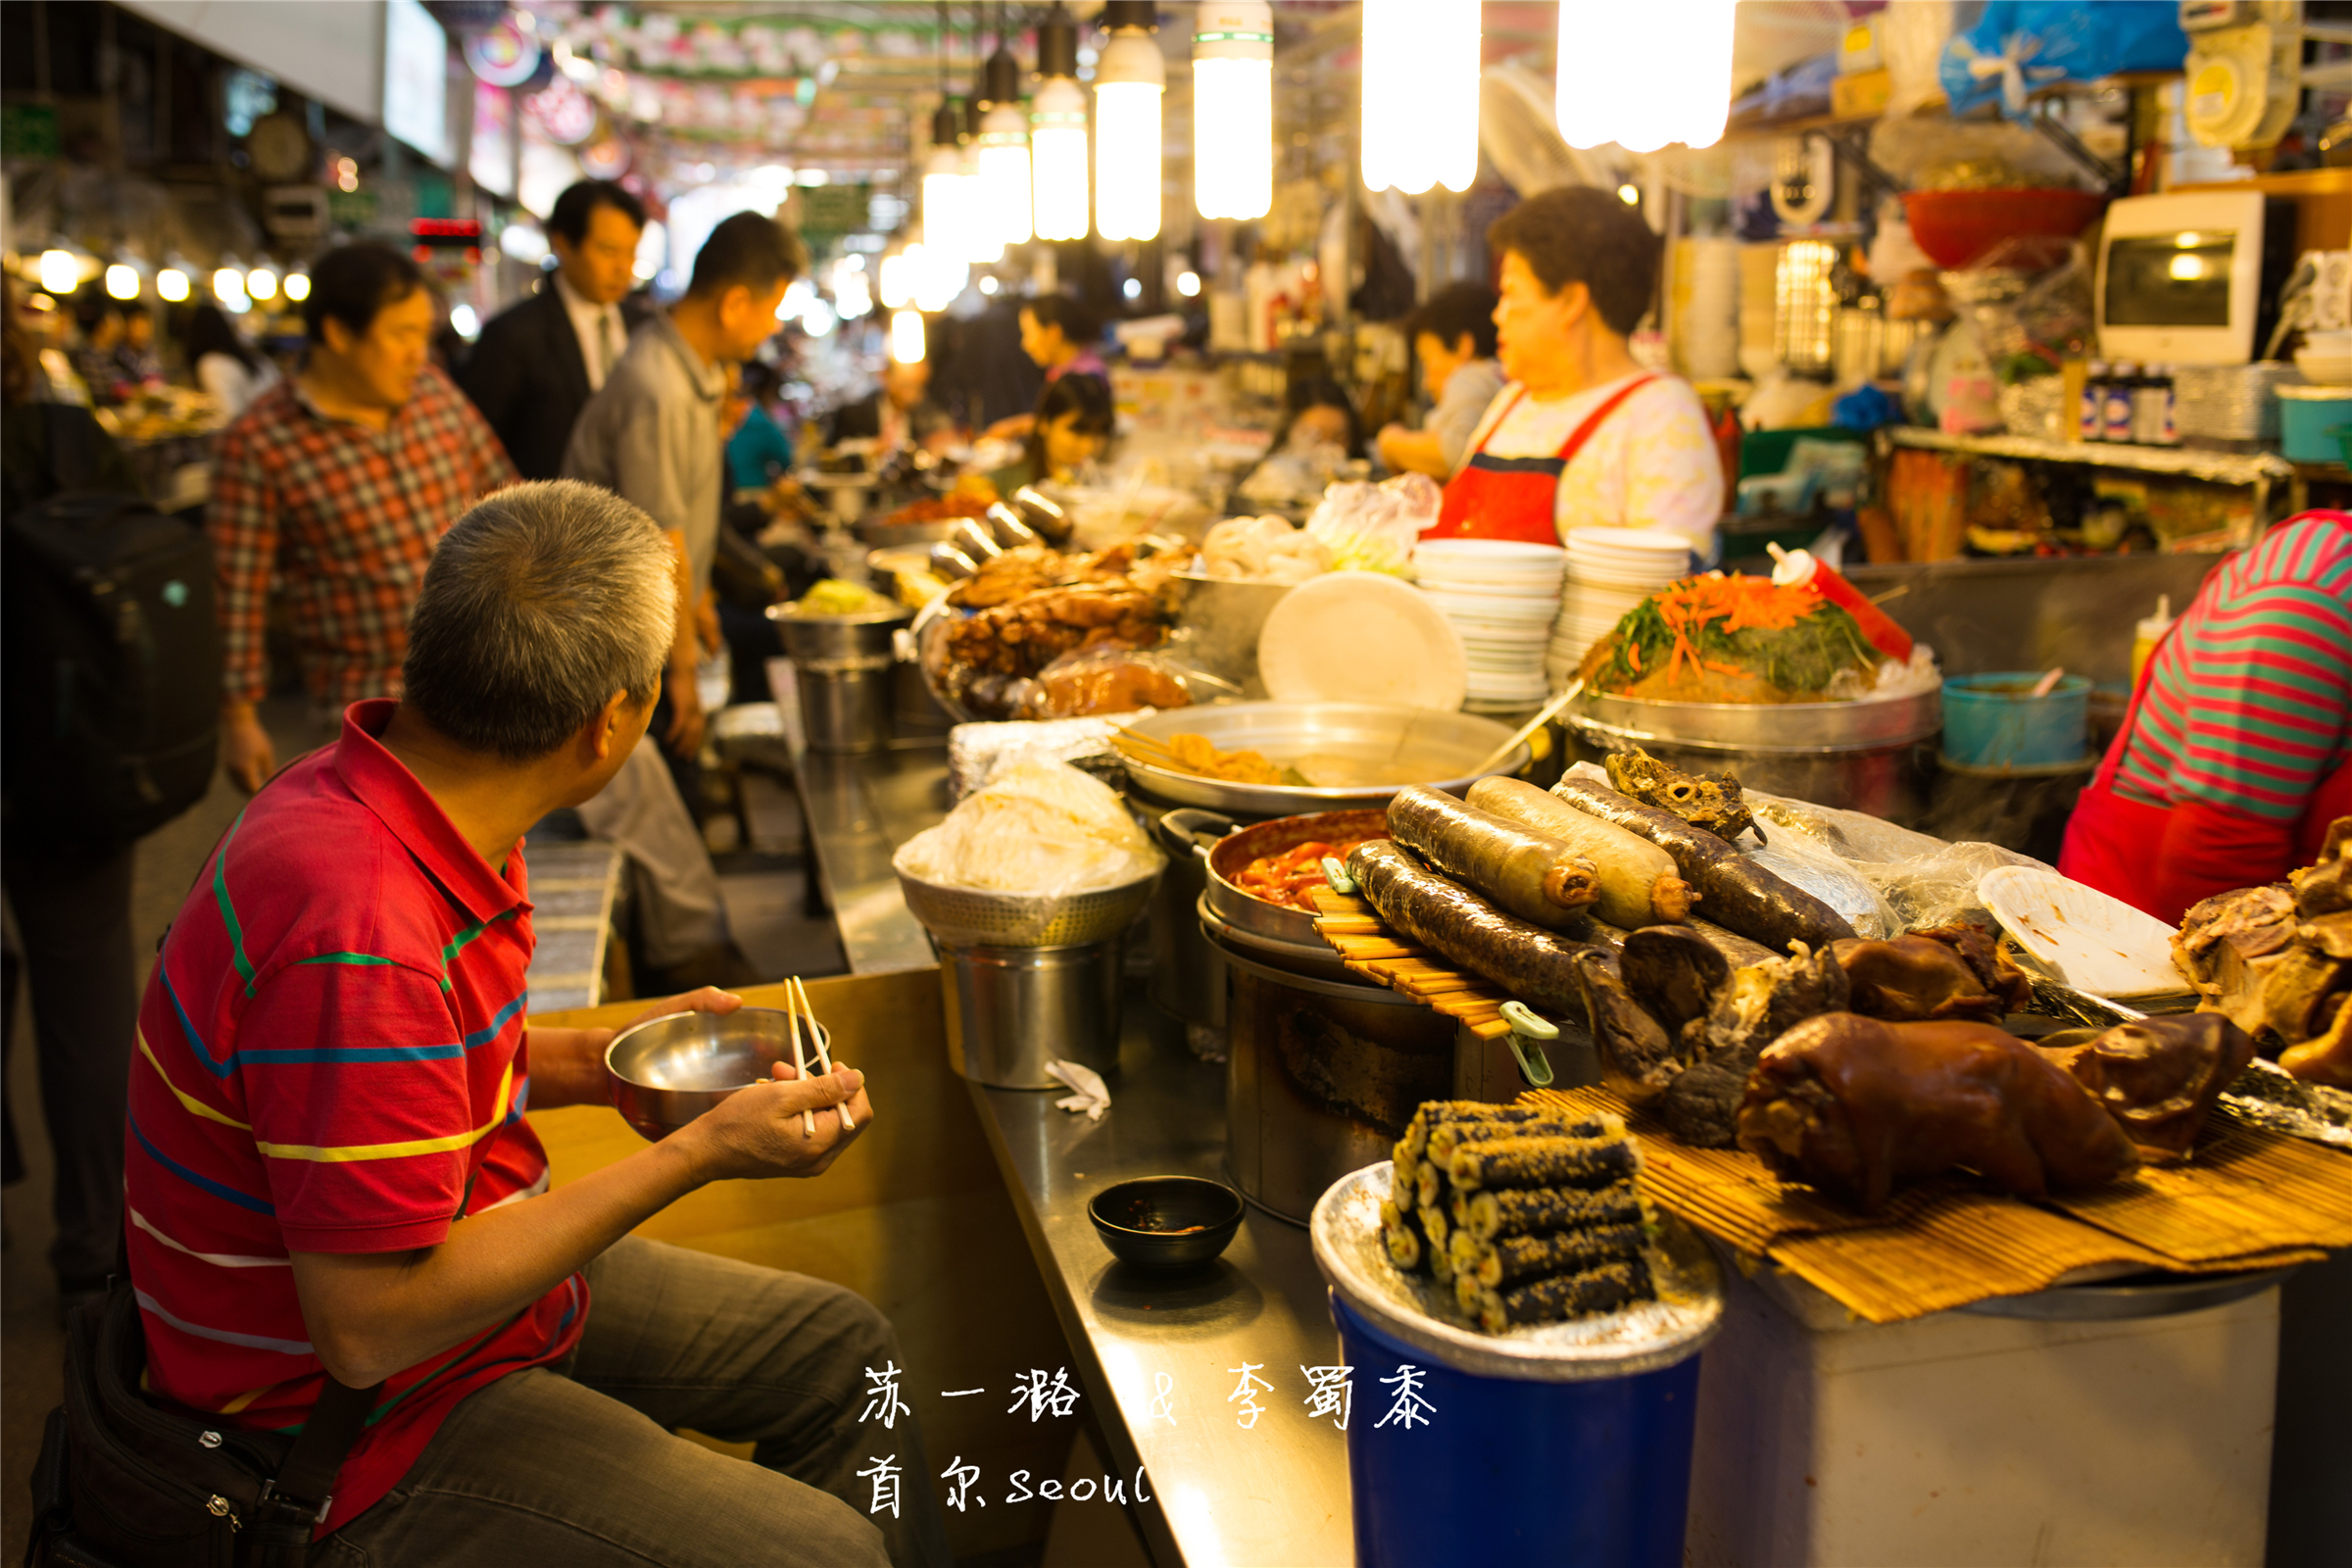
{"x":1218,"y":621}
{"x":1870,"y":755}
{"x":1412,"y":745}
{"x":1010,"y":1010}
{"x":1320,"y":1078}
{"x":1188,"y":976}
{"x":840,"y":666}
{"x":1225,"y":899}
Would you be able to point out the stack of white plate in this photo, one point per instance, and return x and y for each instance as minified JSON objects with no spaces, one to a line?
{"x":1610,"y":570}
{"x":1501,"y":598}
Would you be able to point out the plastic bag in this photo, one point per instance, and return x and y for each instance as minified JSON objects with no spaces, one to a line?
{"x":1268,"y":549}
{"x":2022,"y":45}
{"x":1038,"y":829}
{"x":1373,"y":527}
{"x":977,"y":752}
{"x":1115,"y":680}
{"x":1921,"y":879}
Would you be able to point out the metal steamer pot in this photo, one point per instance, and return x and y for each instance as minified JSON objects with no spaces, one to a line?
{"x":1321,"y":1075}
{"x":1875,"y":755}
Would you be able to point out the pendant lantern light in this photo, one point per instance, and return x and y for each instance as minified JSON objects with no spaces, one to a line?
{"x":1233,"y":108}
{"x":1001,"y":150}
{"x":1058,"y":131}
{"x":1421,"y":63}
{"x":984,"y":237}
{"x":945,"y":212}
{"x":1646,"y":74}
{"x":1130,"y":79}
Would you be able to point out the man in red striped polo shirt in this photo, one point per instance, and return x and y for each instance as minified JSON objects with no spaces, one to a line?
{"x":329,"y":1172}
{"x":2237,"y":752}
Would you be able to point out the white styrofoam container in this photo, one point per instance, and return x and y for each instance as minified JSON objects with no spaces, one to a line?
{"x":1962,"y":1438}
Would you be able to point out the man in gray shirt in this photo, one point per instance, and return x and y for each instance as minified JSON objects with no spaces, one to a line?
{"x":651,"y":436}
{"x":1452,"y":333}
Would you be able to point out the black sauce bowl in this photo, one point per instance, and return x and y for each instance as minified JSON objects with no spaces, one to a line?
{"x":1166,"y":1223}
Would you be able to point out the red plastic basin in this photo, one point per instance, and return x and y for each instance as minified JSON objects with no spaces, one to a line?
{"x":1957,"y":227}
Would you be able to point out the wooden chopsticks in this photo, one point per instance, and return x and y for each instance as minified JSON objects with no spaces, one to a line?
{"x":796,"y":1006}
{"x":1150,"y":750}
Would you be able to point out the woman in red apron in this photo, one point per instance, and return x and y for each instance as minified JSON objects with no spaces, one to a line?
{"x":1576,"y":271}
{"x":1517,"y":497}
{"x":2239,"y":722}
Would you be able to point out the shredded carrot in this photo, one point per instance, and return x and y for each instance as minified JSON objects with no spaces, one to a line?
{"x":1722,"y":669}
{"x":1633,"y":656}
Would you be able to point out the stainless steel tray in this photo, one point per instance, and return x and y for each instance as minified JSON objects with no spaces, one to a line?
{"x":1438,"y":749}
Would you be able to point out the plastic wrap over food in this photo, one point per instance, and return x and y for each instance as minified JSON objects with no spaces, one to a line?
{"x":1266,"y":548}
{"x":1090,"y":681}
{"x":1921,"y":880}
{"x":976,"y":752}
{"x":1373,"y":527}
{"x":1039,"y":828}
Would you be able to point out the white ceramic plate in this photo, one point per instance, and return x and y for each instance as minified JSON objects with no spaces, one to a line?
{"x":2091,"y":941}
{"x":1360,"y":637}
{"x":1488,"y":553}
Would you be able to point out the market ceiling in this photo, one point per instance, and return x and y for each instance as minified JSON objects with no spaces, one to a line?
{"x":674,"y":89}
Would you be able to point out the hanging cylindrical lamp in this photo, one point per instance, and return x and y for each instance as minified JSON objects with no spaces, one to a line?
{"x":944,"y":209}
{"x":1130,"y":79}
{"x":1233,"y":108}
{"x":1647,"y":75}
{"x":1058,"y":131}
{"x":1001,"y":150}
{"x":984,"y":237}
{"x":1420,"y":87}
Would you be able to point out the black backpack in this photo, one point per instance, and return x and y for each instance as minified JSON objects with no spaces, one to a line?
{"x":112,"y":653}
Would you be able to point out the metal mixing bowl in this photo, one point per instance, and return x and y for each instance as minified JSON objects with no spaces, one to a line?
{"x":665,"y":1072}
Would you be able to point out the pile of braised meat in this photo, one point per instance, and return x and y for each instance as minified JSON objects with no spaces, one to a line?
{"x":2276,"y":961}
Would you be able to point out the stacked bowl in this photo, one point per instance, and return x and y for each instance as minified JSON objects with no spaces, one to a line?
{"x":1610,"y":570}
{"x":1501,"y":599}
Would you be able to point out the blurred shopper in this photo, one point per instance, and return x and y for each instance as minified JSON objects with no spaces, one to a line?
{"x":134,"y":357}
{"x":1073,"y":423}
{"x":651,"y":436}
{"x":537,"y":364}
{"x":1058,"y":334}
{"x":1582,"y":436}
{"x":758,"y":452}
{"x":68,"y":888}
{"x":338,"y":484}
{"x":224,"y":364}
{"x":2236,"y":751}
{"x":96,"y":359}
{"x":897,"y":413}
{"x":1452,"y":335}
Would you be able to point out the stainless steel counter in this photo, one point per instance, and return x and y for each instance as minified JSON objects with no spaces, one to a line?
{"x":1161,"y":1361}
{"x":861,"y":809}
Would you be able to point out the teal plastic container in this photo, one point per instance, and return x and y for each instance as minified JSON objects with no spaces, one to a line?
{"x":2309,"y":418}
{"x":1994,"y":720}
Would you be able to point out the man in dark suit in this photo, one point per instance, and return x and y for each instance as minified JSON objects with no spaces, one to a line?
{"x":538,"y":362}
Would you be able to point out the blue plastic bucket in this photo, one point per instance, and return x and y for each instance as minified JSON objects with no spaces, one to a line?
{"x":1511,"y":1471}
{"x":1996,"y":722}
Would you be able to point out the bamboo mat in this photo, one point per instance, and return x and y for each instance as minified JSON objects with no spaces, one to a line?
{"x":1370,"y":949}
{"x":2250,"y":1198}
{"x":2266,"y":1201}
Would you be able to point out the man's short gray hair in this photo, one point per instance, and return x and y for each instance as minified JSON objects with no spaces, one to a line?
{"x":540,"y":604}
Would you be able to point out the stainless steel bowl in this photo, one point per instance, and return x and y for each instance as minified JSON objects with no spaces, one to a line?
{"x":1231,"y":854}
{"x":665,"y":1072}
{"x":966,"y":917}
{"x":1421,"y":746}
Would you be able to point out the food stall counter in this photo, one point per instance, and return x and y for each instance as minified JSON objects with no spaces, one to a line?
{"x":1236,"y":1469}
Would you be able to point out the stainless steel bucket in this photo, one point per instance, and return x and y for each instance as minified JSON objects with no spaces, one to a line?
{"x":1875,"y":755}
{"x":1010,"y":1010}
{"x":843,"y":668}
{"x":1320,"y":1078}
